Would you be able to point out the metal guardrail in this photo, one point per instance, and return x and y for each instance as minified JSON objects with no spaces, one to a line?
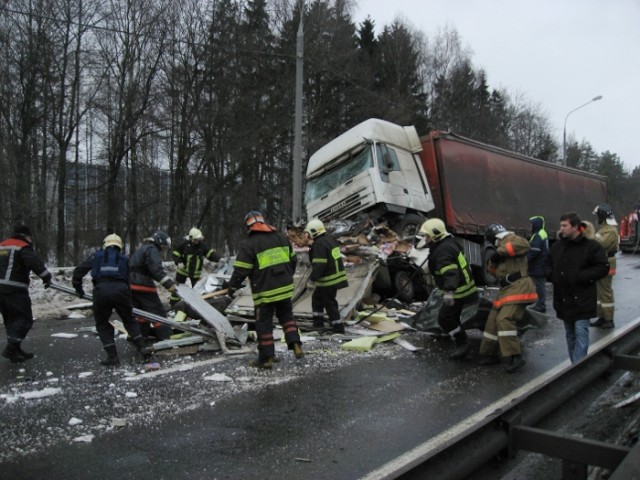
{"x":507,"y":425}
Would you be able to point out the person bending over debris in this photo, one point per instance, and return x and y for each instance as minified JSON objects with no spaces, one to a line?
{"x":189,"y":256}
{"x":109,"y":269}
{"x":268,"y":259}
{"x":146,"y":269}
{"x":452,"y":274}
{"x":509,"y":265}
{"x":17,"y":259}
{"x":328,"y":276}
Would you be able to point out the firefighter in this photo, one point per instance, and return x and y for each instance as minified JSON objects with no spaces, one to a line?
{"x":145,"y":269}
{"x":268,"y":259}
{"x":17,"y":259}
{"x":539,"y":243}
{"x":509,"y":265}
{"x":327,"y":276}
{"x":607,"y":236}
{"x":109,"y":269}
{"x":188,"y":256}
{"x":452,"y":274}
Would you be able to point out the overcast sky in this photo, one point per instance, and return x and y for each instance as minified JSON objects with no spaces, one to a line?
{"x":560,"y":53}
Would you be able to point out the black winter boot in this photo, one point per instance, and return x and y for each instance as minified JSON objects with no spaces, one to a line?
{"x":12,"y":352}
{"x":112,"y":359}
{"x":337,"y":325}
{"x":26,"y":355}
{"x":462,"y":348}
{"x":141,"y":346}
{"x":514,"y":363}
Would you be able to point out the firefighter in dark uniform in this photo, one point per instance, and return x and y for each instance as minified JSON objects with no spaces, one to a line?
{"x":509,"y":265}
{"x":145,"y":269}
{"x":328,"y":276}
{"x":452,"y":274}
{"x":109,"y":269}
{"x":607,"y":236}
{"x":268,"y":259}
{"x":17,"y":259}
{"x":189,"y":256}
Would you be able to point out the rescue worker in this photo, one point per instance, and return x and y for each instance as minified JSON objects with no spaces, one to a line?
{"x":539,"y":243}
{"x":145,"y":269}
{"x":607,"y":236}
{"x":509,"y":265}
{"x":268,"y":259}
{"x":327,"y":276}
{"x":109,"y":268}
{"x":188,"y":256}
{"x":452,"y":274}
{"x":17,"y":259}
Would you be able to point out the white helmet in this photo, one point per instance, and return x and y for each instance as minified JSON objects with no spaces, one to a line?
{"x":315,"y":227}
{"x":112,"y":240}
{"x":434,"y":228}
{"x":196,"y":234}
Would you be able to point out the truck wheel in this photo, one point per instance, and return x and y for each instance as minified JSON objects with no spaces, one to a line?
{"x":409,"y":225}
{"x":403,"y":285}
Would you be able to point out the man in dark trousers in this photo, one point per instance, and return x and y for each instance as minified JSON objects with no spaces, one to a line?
{"x":574,"y":266}
{"x":189,"y":257}
{"x":539,"y":242}
{"x":452,"y":274}
{"x":328,"y":276}
{"x":17,"y":259}
{"x":146,"y":269}
{"x":109,"y":269}
{"x":268,"y":259}
{"x":607,"y":236}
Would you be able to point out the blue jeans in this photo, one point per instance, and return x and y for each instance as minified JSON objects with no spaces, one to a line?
{"x":577,"y":334}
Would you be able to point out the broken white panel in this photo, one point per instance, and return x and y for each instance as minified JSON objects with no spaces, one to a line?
{"x":74,"y":421}
{"x":218,"y":377}
{"x":64,"y":335}
{"x":84,"y":438}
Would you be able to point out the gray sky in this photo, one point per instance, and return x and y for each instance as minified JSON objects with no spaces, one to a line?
{"x":560,"y":53}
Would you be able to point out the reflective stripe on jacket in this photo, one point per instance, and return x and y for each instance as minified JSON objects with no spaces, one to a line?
{"x":269,"y":261}
{"x":17,"y":259}
{"x":512,"y":251}
{"x":192,"y":255}
{"x":326,"y":261}
{"x":450,"y":269}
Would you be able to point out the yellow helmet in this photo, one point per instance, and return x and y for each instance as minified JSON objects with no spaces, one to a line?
{"x":315,"y":227}
{"x":195,"y":234}
{"x":434,"y":229}
{"x":112,"y":240}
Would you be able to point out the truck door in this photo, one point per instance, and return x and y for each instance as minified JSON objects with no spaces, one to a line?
{"x":403,"y":181}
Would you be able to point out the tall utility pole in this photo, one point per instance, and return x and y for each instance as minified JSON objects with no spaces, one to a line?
{"x":297,"y":143}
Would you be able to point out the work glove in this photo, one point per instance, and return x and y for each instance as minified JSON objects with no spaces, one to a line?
{"x":495,"y":258}
{"x":172,"y":288}
{"x":180,"y":265}
{"x":231,"y":291}
{"x":79,"y":290}
{"x":447,"y":299}
{"x":47,"y":280}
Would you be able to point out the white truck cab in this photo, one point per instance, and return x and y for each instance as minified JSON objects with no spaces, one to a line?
{"x":372,"y":168}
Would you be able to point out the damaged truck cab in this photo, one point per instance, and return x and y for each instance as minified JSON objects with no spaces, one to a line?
{"x":372,"y":168}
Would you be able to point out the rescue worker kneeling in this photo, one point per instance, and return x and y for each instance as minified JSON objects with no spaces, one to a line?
{"x":509,"y":265}
{"x":109,"y":269}
{"x":268,"y":259}
{"x":328,"y":276}
{"x":452,"y":274}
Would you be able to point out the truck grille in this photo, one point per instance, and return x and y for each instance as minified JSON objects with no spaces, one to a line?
{"x":344,"y":209}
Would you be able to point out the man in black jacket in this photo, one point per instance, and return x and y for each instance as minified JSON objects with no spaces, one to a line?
{"x":17,"y":259}
{"x":328,"y":276}
{"x":452,"y":274}
{"x":574,"y":265}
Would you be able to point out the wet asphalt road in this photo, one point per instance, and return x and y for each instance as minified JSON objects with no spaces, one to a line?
{"x":319,"y":418}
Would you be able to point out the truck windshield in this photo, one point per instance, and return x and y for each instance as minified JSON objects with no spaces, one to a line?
{"x":335,"y":177}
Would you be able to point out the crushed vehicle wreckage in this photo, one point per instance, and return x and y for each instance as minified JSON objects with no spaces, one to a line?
{"x":373,"y":307}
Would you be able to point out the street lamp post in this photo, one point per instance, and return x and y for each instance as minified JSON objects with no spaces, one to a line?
{"x":564,"y":131}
